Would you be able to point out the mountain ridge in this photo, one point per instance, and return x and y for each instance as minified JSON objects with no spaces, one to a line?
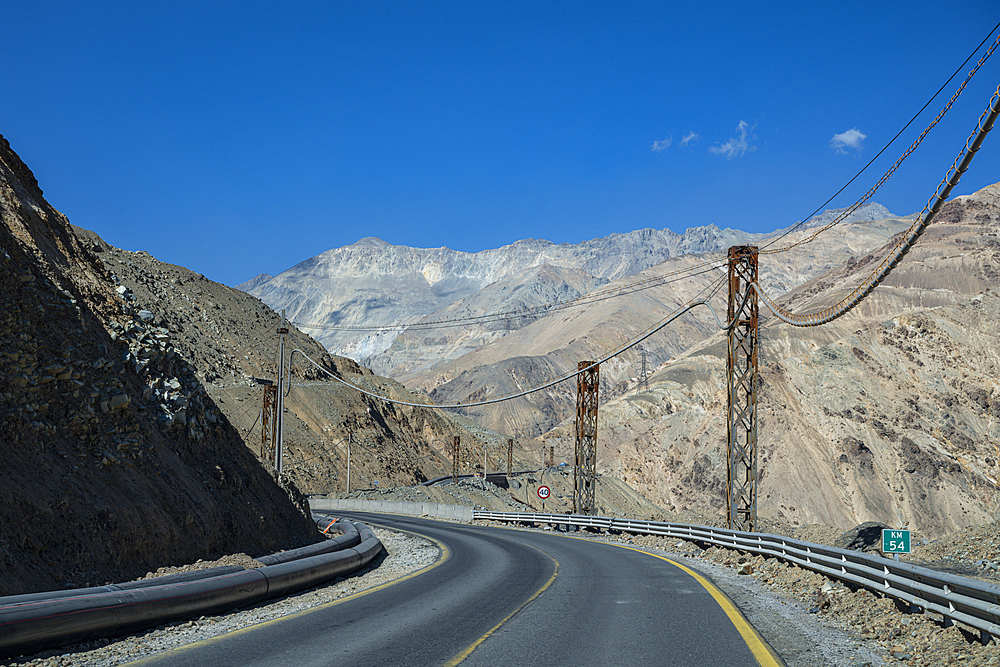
{"x":374,"y":283}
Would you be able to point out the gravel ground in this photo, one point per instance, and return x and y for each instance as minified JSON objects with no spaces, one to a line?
{"x":404,"y":554}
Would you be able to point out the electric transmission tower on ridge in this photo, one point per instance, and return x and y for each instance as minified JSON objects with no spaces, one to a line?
{"x":643,"y":372}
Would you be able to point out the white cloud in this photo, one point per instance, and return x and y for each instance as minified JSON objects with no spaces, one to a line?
{"x":853,"y":138}
{"x":662,"y":144}
{"x":736,"y":147}
{"x":688,"y":138}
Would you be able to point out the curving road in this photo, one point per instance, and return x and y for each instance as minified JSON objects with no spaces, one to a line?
{"x":504,"y":596}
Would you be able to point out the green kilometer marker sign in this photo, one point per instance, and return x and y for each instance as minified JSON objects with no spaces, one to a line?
{"x":895,"y":541}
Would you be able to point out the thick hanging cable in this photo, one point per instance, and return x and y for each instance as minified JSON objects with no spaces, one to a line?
{"x":848,"y":211}
{"x":638,"y":339}
{"x":951,"y":179}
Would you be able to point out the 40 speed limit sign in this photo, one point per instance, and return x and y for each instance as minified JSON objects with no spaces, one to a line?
{"x":543,"y":492}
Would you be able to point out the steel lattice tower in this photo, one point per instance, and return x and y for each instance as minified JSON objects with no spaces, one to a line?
{"x":454,"y":459}
{"x":585,"y":471}
{"x":268,"y":423}
{"x":741,"y":379}
{"x":643,"y":374}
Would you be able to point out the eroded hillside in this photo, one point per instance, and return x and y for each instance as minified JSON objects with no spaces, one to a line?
{"x":888,"y":414}
{"x":97,"y":483}
{"x":230,"y":339}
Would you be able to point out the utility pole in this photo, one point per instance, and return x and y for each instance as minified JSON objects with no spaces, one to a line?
{"x":741,"y":380}
{"x":585,"y":471}
{"x":279,"y":443}
{"x":350,"y":439}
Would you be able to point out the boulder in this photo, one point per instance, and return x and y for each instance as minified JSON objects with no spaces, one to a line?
{"x":863,"y":537}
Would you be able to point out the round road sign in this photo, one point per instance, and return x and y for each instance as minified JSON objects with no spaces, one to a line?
{"x":543,"y":492}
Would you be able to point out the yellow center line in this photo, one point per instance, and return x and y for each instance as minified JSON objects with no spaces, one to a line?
{"x":472,"y":647}
{"x":762,"y":652}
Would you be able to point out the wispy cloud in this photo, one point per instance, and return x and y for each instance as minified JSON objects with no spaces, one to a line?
{"x":853,"y":138}
{"x":688,"y":138}
{"x":737,"y":146}
{"x":662,"y":144}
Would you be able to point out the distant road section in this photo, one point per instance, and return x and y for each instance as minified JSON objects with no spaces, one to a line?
{"x":511,"y":597}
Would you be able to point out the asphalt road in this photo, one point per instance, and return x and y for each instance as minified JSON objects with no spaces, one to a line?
{"x":509,"y":597}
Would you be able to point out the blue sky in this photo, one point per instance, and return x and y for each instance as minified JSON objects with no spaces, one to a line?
{"x":239,"y":138}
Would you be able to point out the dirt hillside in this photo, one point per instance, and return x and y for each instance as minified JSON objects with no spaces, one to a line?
{"x":100,"y":482}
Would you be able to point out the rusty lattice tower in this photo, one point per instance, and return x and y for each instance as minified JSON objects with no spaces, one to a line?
{"x":268,"y":422}
{"x":741,"y":380}
{"x":585,"y":471}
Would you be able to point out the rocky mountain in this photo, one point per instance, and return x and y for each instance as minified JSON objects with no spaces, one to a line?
{"x":109,"y":470}
{"x":374,"y":284}
{"x":887,"y":414}
{"x":130,"y":403}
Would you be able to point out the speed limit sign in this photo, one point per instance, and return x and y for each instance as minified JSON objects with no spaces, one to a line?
{"x":543,"y":492}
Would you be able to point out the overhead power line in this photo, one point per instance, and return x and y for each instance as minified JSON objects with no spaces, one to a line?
{"x":704,"y":301}
{"x":951,"y":179}
{"x":851,"y":209}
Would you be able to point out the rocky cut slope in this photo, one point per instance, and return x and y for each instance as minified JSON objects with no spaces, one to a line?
{"x":115,"y":461}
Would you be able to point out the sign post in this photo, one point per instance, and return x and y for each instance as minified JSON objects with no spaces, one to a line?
{"x":895,"y":542}
{"x":543,"y":493}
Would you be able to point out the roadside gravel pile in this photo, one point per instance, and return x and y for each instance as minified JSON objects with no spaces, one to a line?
{"x":972,"y":552}
{"x":472,"y":492}
{"x":404,"y":554}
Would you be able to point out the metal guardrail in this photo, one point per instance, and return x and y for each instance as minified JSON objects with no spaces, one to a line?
{"x":34,"y":622}
{"x":967,"y":601}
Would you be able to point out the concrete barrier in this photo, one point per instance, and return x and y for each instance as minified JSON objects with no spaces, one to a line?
{"x":461,"y":513}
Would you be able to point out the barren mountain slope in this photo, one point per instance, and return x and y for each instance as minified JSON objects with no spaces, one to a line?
{"x":553,"y":345}
{"x":418,"y":349}
{"x":99,"y":483}
{"x":888,"y":414}
{"x":230,"y":338}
